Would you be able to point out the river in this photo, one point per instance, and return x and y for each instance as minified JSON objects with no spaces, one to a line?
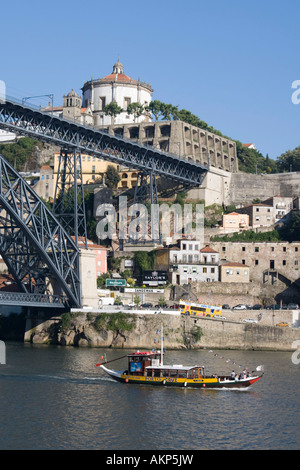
{"x":54,"y":397}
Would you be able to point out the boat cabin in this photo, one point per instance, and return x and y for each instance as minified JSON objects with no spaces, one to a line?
{"x":148,"y":364}
{"x":137,"y":362}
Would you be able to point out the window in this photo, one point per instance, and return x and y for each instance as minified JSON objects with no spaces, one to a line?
{"x":296,"y":248}
{"x":256,"y":249}
{"x":190,"y":258}
{"x":245,"y":272}
{"x":184,"y":246}
{"x":127,"y":101}
{"x":204,"y":270}
{"x":243,"y":248}
{"x":256,"y":262}
{"x":102,"y":102}
{"x":197,"y":247}
{"x":238,"y":272}
{"x":284,"y":248}
{"x":284,"y":262}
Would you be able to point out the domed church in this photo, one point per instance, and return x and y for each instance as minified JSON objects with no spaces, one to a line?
{"x":121,"y":89}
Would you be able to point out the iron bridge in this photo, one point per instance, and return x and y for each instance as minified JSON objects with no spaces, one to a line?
{"x":40,"y":246}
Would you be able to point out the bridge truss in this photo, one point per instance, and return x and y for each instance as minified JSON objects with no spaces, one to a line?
{"x":38,"y":246}
{"x":38,"y":252}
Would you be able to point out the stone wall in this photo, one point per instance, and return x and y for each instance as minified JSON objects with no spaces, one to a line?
{"x":245,"y":187}
{"x":180,"y":332}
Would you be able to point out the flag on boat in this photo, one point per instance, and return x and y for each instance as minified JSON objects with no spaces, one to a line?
{"x":260,"y":368}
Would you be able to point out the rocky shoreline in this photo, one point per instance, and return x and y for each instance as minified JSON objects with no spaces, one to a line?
{"x":138,"y":331}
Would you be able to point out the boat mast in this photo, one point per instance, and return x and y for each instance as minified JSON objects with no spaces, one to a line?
{"x":162,"y":345}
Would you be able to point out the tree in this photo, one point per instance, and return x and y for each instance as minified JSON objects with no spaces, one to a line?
{"x":290,"y":160}
{"x":112,"y":109}
{"x":155,"y":107}
{"x":137,"y":299}
{"x":136,"y":109}
{"x":112,"y":177}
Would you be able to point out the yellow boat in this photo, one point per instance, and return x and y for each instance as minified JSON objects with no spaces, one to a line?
{"x":148,"y":368}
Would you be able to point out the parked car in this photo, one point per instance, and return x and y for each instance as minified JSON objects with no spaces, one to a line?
{"x":273,"y":307}
{"x":293,"y":306}
{"x":240,"y":307}
{"x":226,"y":307}
{"x":257,"y":307}
{"x":249,"y":320}
{"x":147,"y":305}
{"x":220,"y":317}
{"x":282,"y":323}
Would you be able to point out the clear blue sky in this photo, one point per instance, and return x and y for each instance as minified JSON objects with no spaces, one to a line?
{"x":232,"y":63}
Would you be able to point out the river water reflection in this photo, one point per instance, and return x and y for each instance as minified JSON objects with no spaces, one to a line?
{"x":55,"y":397}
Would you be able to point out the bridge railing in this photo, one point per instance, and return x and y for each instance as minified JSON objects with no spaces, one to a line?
{"x":24,"y":298}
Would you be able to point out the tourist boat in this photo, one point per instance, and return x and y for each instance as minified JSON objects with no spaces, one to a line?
{"x":148,"y":368}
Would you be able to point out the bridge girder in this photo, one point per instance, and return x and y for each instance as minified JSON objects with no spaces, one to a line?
{"x":37,"y":250}
{"x":24,"y":120}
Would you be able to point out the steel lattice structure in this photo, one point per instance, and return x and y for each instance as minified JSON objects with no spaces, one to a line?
{"x":37,"y":249}
{"x":24,"y":120}
{"x":38,"y":252}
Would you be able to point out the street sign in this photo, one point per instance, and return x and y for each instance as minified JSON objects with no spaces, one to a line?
{"x":115,"y":282}
{"x":144,"y":290}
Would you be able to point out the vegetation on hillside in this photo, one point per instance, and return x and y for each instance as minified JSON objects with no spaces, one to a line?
{"x":20,"y":153}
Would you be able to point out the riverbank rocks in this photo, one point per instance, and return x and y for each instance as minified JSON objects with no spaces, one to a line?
{"x":138,"y":331}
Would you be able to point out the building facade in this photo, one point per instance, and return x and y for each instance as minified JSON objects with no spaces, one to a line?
{"x":266,"y":260}
{"x":119,"y":88}
{"x":234,"y":222}
{"x":234,"y":272}
{"x":183,"y":140}
{"x":189,"y":263}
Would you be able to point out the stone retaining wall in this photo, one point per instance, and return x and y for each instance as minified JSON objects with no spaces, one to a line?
{"x":180,"y":332}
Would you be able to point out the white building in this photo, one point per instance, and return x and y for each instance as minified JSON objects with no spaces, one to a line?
{"x":6,"y":136}
{"x":116,"y":87}
{"x":189,"y":263}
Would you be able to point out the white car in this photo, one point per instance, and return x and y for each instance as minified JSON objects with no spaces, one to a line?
{"x":240,"y":307}
{"x":249,"y":320}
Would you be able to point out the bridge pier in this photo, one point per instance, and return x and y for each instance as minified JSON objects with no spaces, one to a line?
{"x":89,"y":296}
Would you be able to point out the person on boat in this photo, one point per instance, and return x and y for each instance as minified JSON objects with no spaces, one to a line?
{"x":232,"y":375}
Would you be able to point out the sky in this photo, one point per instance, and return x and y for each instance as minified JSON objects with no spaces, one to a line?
{"x":232,"y":63}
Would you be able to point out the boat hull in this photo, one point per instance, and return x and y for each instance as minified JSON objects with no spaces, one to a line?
{"x":205,"y":383}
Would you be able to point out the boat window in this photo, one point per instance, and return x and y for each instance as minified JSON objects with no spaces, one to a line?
{"x":156,"y":373}
{"x":149,"y":373}
{"x":182,"y":374}
{"x":165,"y":373}
{"x":173,"y":373}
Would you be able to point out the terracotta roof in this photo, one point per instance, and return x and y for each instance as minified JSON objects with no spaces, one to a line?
{"x":207,"y":249}
{"x":238,"y":265}
{"x":118,"y":77}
